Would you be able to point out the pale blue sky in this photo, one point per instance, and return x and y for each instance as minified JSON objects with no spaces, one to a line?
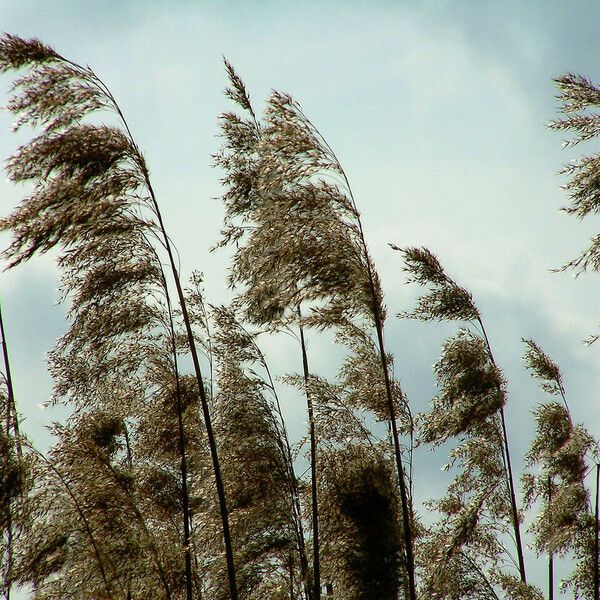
{"x":436,"y":109}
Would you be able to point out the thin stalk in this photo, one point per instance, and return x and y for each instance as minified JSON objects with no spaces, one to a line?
{"x":286,"y":451}
{"x":9,"y":422}
{"x":283,"y":444}
{"x":209,"y":351}
{"x":203,"y":401}
{"x":7,"y":583}
{"x":404,"y":498}
{"x":510,"y":478}
{"x":185,"y":493}
{"x":166,"y":242}
{"x":406,"y":517}
{"x":128,"y":447}
{"x":183,"y":462}
{"x":513,"y":500}
{"x":11,"y":409}
{"x":483,"y":576}
{"x":197,"y":579}
{"x":299,"y":530}
{"x":411,"y":481}
{"x":563,"y":395}
{"x":597,"y":537}
{"x":129,"y":495}
{"x":83,"y":518}
{"x":313,"y":467}
{"x":550,"y":553}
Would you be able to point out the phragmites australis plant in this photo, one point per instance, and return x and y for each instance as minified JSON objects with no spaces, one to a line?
{"x":173,"y":475}
{"x":12,"y":468}
{"x":299,"y":242}
{"x":264,"y":505}
{"x":92,"y":197}
{"x":561,"y":450}
{"x":578,"y":96}
{"x":470,"y":408}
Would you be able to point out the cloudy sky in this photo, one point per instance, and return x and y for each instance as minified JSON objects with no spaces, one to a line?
{"x":437,"y":110}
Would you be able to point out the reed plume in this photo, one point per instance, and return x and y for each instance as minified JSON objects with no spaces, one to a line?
{"x":92,"y":197}
{"x":299,"y":242}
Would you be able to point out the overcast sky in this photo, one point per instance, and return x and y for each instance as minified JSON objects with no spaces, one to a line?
{"x":437,"y":110}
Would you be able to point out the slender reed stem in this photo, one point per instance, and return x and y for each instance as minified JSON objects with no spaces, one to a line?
{"x":149,"y":536}
{"x":183,"y":462}
{"x":510,"y":478}
{"x":313,"y":467}
{"x":550,"y":553}
{"x":166,"y":242}
{"x":597,"y":537}
{"x":185,"y":493}
{"x":7,"y":583}
{"x":205,"y":409}
{"x":291,"y":571}
{"x":10,"y":422}
{"x":11,"y":409}
{"x":286,"y":451}
{"x":376,"y":311}
{"x":86,"y":523}
{"x":404,"y":499}
{"x":513,"y":500}
{"x":483,"y":576}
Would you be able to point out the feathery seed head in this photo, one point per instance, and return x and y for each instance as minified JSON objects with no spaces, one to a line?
{"x":16,"y":52}
{"x":446,"y":300}
{"x":543,"y":368}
